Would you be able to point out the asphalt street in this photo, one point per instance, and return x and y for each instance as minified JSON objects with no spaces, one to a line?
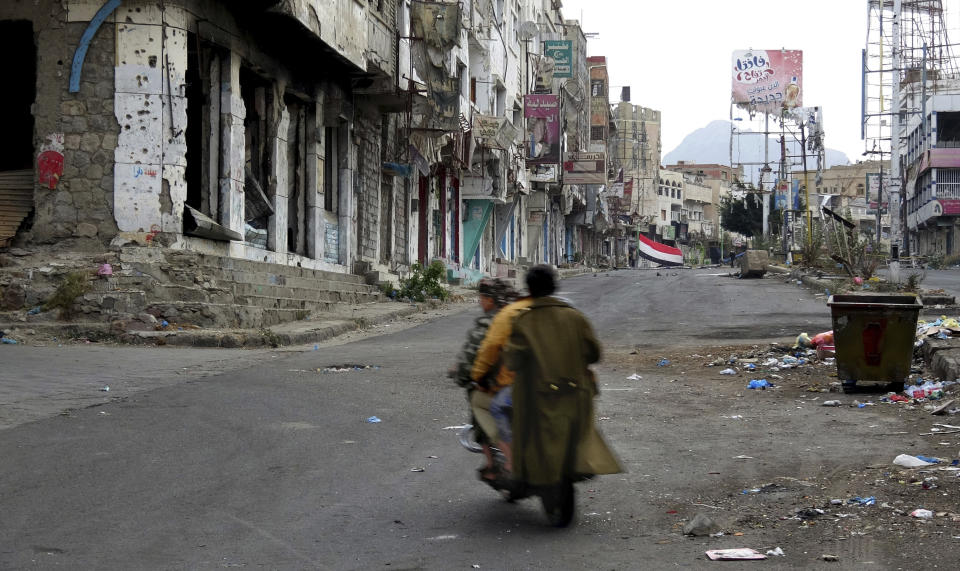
{"x":275,"y":464}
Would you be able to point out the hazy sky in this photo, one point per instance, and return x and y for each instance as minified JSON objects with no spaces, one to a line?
{"x":676,"y":56}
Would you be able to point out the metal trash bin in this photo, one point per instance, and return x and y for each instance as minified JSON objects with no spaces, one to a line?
{"x":874,"y":336}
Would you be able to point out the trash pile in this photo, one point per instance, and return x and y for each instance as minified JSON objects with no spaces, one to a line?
{"x":942,"y":328}
{"x":770,"y":361}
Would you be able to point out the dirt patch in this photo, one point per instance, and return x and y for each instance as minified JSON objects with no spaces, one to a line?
{"x":776,"y":468}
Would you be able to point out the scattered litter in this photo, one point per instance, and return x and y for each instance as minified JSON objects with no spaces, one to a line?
{"x":700,"y":525}
{"x":942,"y":409}
{"x":908,"y":461}
{"x":734,"y":417}
{"x":663,"y":362}
{"x":827,"y":557}
{"x":742,"y":457}
{"x":373,"y":420}
{"x":763,"y":489}
{"x":922,"y":514}
{"x":417,"y":470}
{"x":868,"y":501}
{"x":761,"y":384}
{"x":105,"y":270}
{"x":831,"y":403}
{"x":750,"y":367}
{"x":778,"y":552}
{"x":636,"y":377}
{"x":809,"y":513}
{"x":35,"y":310}
{"x":739,"y":554}
{"x":462,"y":426}
{"x":105,"y":389}
{"x":728,"y":372}
{"x":8,"y":341}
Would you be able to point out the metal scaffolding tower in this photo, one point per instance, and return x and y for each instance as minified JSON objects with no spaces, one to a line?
{"x":907,"y":58}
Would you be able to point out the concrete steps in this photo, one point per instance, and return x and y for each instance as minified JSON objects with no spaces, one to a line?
{"x":185,"y":288}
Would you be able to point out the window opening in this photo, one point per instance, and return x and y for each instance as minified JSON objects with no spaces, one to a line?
{"x":258,"y":199}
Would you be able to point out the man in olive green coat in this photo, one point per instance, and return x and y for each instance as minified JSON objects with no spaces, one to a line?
{"x":550,"y":349}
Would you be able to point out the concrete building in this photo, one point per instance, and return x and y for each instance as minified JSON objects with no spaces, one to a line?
{"x":721,"y":179}
{"x":168,"y":129}
{"x":930,"y":156}
{"x":258,"y":131}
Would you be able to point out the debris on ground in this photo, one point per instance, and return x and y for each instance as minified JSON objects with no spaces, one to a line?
{"x":738,"y":554}
{"x":700,"y":525}
{"x":346,"y":368}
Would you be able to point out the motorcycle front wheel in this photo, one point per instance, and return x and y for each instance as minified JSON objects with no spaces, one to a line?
{"x":559,"y":503}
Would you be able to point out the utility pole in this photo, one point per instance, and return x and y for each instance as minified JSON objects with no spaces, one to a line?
{"x":766,"y":169}
{"x":806,"y":185}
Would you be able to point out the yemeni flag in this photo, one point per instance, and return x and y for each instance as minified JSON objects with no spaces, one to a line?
{"x":659,"y":253}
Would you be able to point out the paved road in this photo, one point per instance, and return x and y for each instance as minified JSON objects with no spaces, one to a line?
{"x":274,"y":465}
{"x":947,"y":280}
{"x":663,"y":308}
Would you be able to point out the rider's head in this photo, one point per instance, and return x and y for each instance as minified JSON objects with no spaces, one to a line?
{"x":541,"y":281}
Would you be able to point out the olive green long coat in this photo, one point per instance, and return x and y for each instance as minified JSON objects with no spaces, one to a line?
{"x":554,"y":432}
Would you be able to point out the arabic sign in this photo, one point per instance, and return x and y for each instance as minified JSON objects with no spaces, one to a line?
{"x":542,"y":138}
{"x":767,"y":81}
{"x":584,"y":168}
{"x":486,"y":126}
{"x":951,"y":206}
{"x":562,"y":53}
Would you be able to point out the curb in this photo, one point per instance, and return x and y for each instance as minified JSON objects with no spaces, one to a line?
{"x":314,"y":331}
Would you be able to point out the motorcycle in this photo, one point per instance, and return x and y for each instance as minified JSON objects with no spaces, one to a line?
{"x":558,"y":501}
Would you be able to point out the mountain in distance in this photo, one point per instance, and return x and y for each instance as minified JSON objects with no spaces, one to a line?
{"x":711,"y":145}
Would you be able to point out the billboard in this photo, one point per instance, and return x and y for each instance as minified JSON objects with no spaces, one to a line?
{"x":767,"y":80}
{"x":562,"y":53}
{"x":542,"y":139}
{"x":584,"y":168}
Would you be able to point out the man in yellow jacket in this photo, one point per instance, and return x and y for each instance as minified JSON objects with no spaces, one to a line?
{"x":488,"y":360}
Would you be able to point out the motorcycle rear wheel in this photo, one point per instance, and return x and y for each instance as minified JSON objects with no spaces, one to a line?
{"x":559,"y":503}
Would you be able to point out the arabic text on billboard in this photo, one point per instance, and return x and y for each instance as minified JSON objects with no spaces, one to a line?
{"x":584,"y":168}
{"x":562,"y":53}
{"x":767,"y":80}
{"x":542,"y":138}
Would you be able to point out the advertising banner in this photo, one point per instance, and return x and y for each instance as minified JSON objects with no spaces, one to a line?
{"x":767,"y":80}
{"x":584,"y":168}
{"x":562,"y":53}
{"x":542,"y":138}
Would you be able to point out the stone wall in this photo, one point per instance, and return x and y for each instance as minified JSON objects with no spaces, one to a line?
{"x":78,"y":126}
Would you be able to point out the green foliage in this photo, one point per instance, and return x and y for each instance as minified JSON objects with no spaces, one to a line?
{"x":811,"y":250}
{"x":743,"y":216}
{"x":73,"y":286}
{"x":425,"y":283}
{"x":913,"y":281}
{"x":387,"y":289}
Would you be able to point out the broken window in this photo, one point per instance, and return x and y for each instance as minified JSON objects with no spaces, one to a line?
{"x":948,"y":129}
{"x":331,"y":172}
{"x":257,"y":98}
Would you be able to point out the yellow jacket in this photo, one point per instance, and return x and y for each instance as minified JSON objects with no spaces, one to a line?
{"x":488,"y":355}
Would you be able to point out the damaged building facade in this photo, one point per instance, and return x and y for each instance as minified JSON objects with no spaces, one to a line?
{"x":190,"y":125}
{"x":342,"y":136}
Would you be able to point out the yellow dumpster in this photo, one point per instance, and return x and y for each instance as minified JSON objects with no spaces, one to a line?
{"x":874,"y":336}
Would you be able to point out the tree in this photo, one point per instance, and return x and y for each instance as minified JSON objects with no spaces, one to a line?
{"x":742,"y":215}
